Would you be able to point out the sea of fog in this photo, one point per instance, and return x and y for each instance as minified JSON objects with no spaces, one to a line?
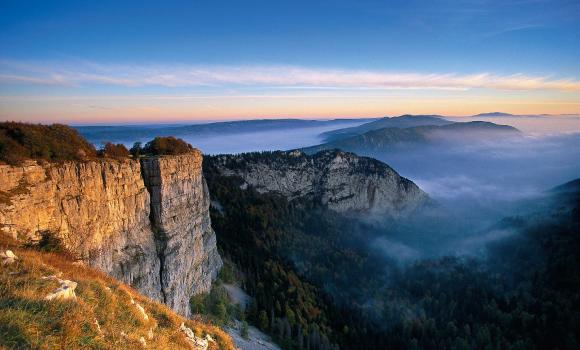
{"x":534,"y":124}
{"x":476,"y":183}
{"x":216,"y":142}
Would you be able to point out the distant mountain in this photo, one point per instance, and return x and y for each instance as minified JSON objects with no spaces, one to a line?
{"x":131,"y":133}
{"x":388,"y":138}
{"x":494,"y":114}
{"x":403,"y":121}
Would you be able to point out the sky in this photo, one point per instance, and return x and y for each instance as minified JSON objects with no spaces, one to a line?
{"x":99,"y":62}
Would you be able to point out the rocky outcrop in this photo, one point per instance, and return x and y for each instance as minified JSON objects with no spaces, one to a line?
{"x":66,"y":290}
{"x":8,"y":257}
{"x":180,"y":219}
{"x":341,"y":181}
{"x":98,"y":209}
{"x":104,"y":214}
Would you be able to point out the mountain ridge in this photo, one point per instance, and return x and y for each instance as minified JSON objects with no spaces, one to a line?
{"x":341,"y":181}
{"x":494,"y":114}
{"x":381,"y":139}
{"x":403,"y":121}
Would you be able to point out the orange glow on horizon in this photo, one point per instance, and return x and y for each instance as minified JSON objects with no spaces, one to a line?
{"x":168,"y":110}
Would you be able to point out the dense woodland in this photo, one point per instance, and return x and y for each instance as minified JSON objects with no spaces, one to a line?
{"x":308,"y":277}
{"x":58,"y":142}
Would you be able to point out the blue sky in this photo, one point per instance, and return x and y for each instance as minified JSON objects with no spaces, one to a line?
{"x":101,"y":60}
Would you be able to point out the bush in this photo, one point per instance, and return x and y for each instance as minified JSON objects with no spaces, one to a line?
{"x":49,"y":242}
{"x":114,"y":151}
{"x":166,"y":146}
{"x":244,"y":330}
{"x":215,"y":305}
{"x":56,"y":142}
{"x":136,"y":150}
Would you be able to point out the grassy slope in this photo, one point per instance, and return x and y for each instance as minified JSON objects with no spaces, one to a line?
{"x":28,"y":321}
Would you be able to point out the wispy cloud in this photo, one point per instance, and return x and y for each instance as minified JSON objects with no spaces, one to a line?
{"x":175,"y":76}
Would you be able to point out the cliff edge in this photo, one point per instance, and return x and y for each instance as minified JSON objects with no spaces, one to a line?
{"x":144,"y":222}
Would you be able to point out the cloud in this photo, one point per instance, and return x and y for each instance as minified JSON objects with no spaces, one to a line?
{"x":179,"y":75}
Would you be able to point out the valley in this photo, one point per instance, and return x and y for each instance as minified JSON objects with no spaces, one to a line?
{"x":330,"y":247}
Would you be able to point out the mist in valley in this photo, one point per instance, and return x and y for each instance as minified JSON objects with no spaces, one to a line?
{"x":495,"y":224}
{"x":224,"y":137}
{"x":475,"y":184}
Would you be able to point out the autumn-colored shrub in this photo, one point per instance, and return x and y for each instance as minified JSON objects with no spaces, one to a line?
{"x":56,"y":142}
{"x":168,"y":145}
{"x":114,"y":150}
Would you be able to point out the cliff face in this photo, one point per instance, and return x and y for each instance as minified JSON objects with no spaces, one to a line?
{"x":180,"y":219}
{"x":101,"y":212}
{"x":341,"y":181}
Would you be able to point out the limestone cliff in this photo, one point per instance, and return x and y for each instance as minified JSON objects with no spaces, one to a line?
{"x":342,"y":181}
{"x":180,"y":219}
{"x":100,"y":210}
{"x":157,"y":239}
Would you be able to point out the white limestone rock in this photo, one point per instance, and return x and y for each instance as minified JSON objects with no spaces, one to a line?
{"x":197,"y":343}
{"x":140,"y":309}
{"x":66,"y":291}
{"x":8,"y":257}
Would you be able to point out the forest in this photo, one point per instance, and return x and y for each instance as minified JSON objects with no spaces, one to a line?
{"x":315,"y":286}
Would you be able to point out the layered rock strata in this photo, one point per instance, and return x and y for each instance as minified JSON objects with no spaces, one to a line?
{"x":146,"y":223}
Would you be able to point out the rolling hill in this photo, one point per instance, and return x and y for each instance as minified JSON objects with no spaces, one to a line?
{"x":387,"y":138}
{"x":404,"y":121}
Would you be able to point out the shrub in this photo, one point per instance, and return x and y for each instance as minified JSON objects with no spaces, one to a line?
{"x":56,"y":142}
{"x":167,"y":146}
{"x":114,"y":151}
{"x":244,"y":330}
{"x":136,"y":150}
{"x":226,"y":274}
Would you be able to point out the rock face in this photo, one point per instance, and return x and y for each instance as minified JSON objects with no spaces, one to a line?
{"x":342,"y":181}
{"x":101,"y":210}
{"x":180,"y":218}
